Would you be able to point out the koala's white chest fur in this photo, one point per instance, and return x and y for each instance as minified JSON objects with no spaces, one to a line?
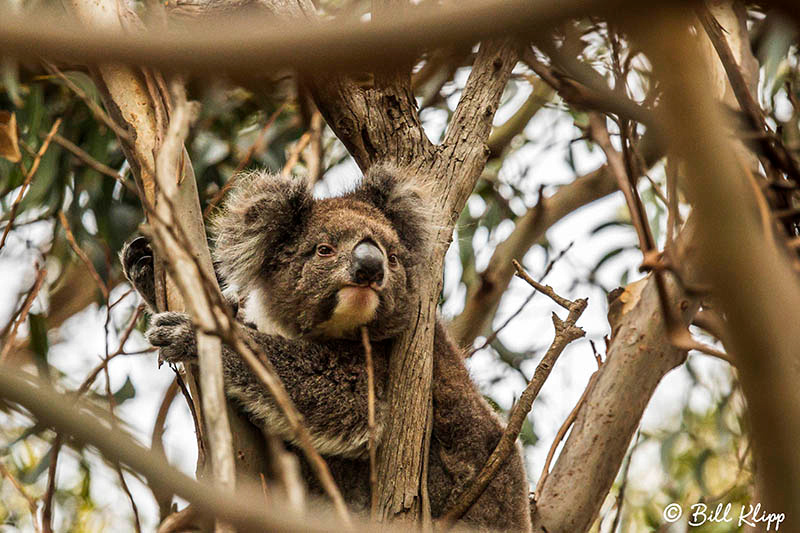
{"x":355,"y":306}
{"x":255,"y":311}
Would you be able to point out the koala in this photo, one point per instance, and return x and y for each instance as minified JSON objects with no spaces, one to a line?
{"x":310,"y":272}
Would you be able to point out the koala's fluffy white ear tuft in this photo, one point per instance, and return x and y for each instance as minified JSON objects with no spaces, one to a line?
{"x":264,"y":213}
{"x":401,"y":201}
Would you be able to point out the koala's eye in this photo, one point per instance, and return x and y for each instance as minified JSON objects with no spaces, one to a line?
{"x":325,"y":250}
{"x":393,"y":260}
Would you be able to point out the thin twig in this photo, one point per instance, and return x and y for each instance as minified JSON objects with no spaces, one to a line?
{"x":562,"y":432}
{"x":565,"y":333}
{"x":47,"y":511}
{"x":623,"y":486}
{"x":491,"y":338}
{"x":117,"y":467}
{"x":373,"y":469}
{"x":17,"y":485}
{"x":27,"y":181}
{"x":164,"y":499}
{"x":95,"y":109}
{"x":619,"y":169}
{"x":158,"y":426}
{"x":547,"y":290}
{"x":87,"y":159}
{"x":23,"y":313}
{"x":198,"y":427}
{"x":92,"y":376}
{"x":294,"y":155}
{"x":111,"y":411}
{"x":82,"y":255}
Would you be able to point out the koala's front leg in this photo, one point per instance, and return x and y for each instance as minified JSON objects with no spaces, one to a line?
{"x":174,"y":336}
{"x":327,"y":383}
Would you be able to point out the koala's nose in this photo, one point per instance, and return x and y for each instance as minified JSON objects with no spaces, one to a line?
{"x":367,"y":263}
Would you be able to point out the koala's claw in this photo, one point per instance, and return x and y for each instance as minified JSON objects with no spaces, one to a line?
{"x":137,"y":265}
{"x":173,"y":334}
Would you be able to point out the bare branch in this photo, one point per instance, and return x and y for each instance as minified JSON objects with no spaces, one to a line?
{"x":547,"y":290}
{"x":373,"y":469}
{"x":565,"y":332}
{"x":484,"y":296}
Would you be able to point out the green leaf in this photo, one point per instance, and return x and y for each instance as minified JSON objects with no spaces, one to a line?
{"x":527,"y":434}
{"x":610,"y":224}
{"x":610,"y":255}
{"x":38,"y":341}
{"x":699,"y":465}
{"x":84,"y":83}
{"x":30,"y":476}
{"x":123,"y":394}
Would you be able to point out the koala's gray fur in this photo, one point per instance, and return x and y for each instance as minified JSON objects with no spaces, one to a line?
{"x":292,"y":258}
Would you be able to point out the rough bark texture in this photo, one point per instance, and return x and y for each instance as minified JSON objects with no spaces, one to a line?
{"x":380,"y":124}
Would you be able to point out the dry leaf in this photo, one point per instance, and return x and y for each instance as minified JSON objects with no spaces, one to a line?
{"x":9,"y":146}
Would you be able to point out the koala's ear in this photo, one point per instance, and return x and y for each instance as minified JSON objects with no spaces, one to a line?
{"x":263,"y":217}
{"x":401,"y":202}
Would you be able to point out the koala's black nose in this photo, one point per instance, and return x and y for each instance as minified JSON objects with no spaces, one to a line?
{"x":367,"y":263}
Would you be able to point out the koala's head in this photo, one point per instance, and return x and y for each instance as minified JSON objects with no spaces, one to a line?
{"x":323,"y":268}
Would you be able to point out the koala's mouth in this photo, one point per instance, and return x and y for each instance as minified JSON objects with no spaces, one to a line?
{"x":356,"y":305}
{"x":372,"y":286}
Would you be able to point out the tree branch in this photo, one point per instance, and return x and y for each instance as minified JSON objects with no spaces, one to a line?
{"x":249,"y":45}
{"x":565,"y":332}
{"x":637,"y":359}
{"x":483,"y":297}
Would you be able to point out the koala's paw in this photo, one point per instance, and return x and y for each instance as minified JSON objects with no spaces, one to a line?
{"x":173,"y":334}
{"x":137,"y":265}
